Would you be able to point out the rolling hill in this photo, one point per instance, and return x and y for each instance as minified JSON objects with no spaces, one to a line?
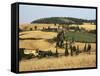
{"x":62,"y":20}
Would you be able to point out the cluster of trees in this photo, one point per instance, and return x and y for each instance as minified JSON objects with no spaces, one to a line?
{"x":48,"y":53}
{"x":91,"y":21}
{"x":40,"y":54}
{"x":87,"y":48}
{"x":60,"y":39}
{"x":74,"y":50}
{"x":61,"y":21}
{"x":56,"y":29}
{"x":52,"y":20}
{"x":26,"y":28}
{"x":72,"y":28}
{"x":49,"y":29}
{"x":35,"y":28}
{"x":75,"y":28}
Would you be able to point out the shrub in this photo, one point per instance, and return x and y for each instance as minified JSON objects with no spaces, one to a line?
{"x":74,"y":48}
{"x":30,"y":29}
{"x":92,"y":31}
{"x":21,"y":53}
{"x":28,"y":56}
{"x":35,"y":27}
{"x":24,"y":56}
{"x":25,"y":28}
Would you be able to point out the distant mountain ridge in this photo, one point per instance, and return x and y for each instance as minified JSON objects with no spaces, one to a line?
{"x":62,"y":20}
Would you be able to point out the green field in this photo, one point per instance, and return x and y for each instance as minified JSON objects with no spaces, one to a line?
{"x":81,"y":36}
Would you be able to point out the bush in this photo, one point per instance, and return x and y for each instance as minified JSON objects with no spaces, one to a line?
{"x":28,"y":56}
{"x":35,"y":27}
{"x":30,"y":29}
{"x":74,"y":48}
{"x":92,"y":31}
{"x":21,"y":53}
{"x":24,"y":56}
{"x":25,"y":28}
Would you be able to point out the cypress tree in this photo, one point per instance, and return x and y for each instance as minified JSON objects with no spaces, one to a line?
{"x":56,"y":51}
{"x":89,"y":48}
{"x":71,"y":50}
{"x":77,"y":51}
{"x":85,"y":48}
{"x":66,"y":49}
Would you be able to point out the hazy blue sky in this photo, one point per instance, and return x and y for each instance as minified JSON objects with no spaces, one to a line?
{"x":28,"y":13}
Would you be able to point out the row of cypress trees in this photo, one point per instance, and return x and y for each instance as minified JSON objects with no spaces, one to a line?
{"x":75,"y":49}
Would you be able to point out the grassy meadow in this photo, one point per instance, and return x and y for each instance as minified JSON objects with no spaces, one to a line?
{"x":81,"y":36}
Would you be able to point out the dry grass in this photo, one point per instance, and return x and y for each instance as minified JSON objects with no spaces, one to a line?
{"x":86,"y":26}
{"x":39,"y":26}
{"x":37,"y":34}
{"x":81,"y":61}
{"x":42,"y":43}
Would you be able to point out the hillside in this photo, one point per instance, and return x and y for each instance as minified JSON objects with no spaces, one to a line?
{"x":62,"y":20}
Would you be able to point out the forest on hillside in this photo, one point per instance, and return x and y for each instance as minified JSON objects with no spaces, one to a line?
{"x":63,"y":20}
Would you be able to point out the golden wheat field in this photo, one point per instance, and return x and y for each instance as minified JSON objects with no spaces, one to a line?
{"x":81,"y":61}
{"x":86,"y":26}
{"x":37,"y":39}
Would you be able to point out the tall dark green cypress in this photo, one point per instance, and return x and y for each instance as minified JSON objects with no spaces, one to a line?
{"x":71,"y":47}
{"x":85,"y":48}
{"x":66,"y":49}
{"x":56,"y":51}
{"x":89,"y":48}
{"x":77,"y":51}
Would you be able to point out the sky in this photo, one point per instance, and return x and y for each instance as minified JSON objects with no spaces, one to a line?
{"x":29,"y":13}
